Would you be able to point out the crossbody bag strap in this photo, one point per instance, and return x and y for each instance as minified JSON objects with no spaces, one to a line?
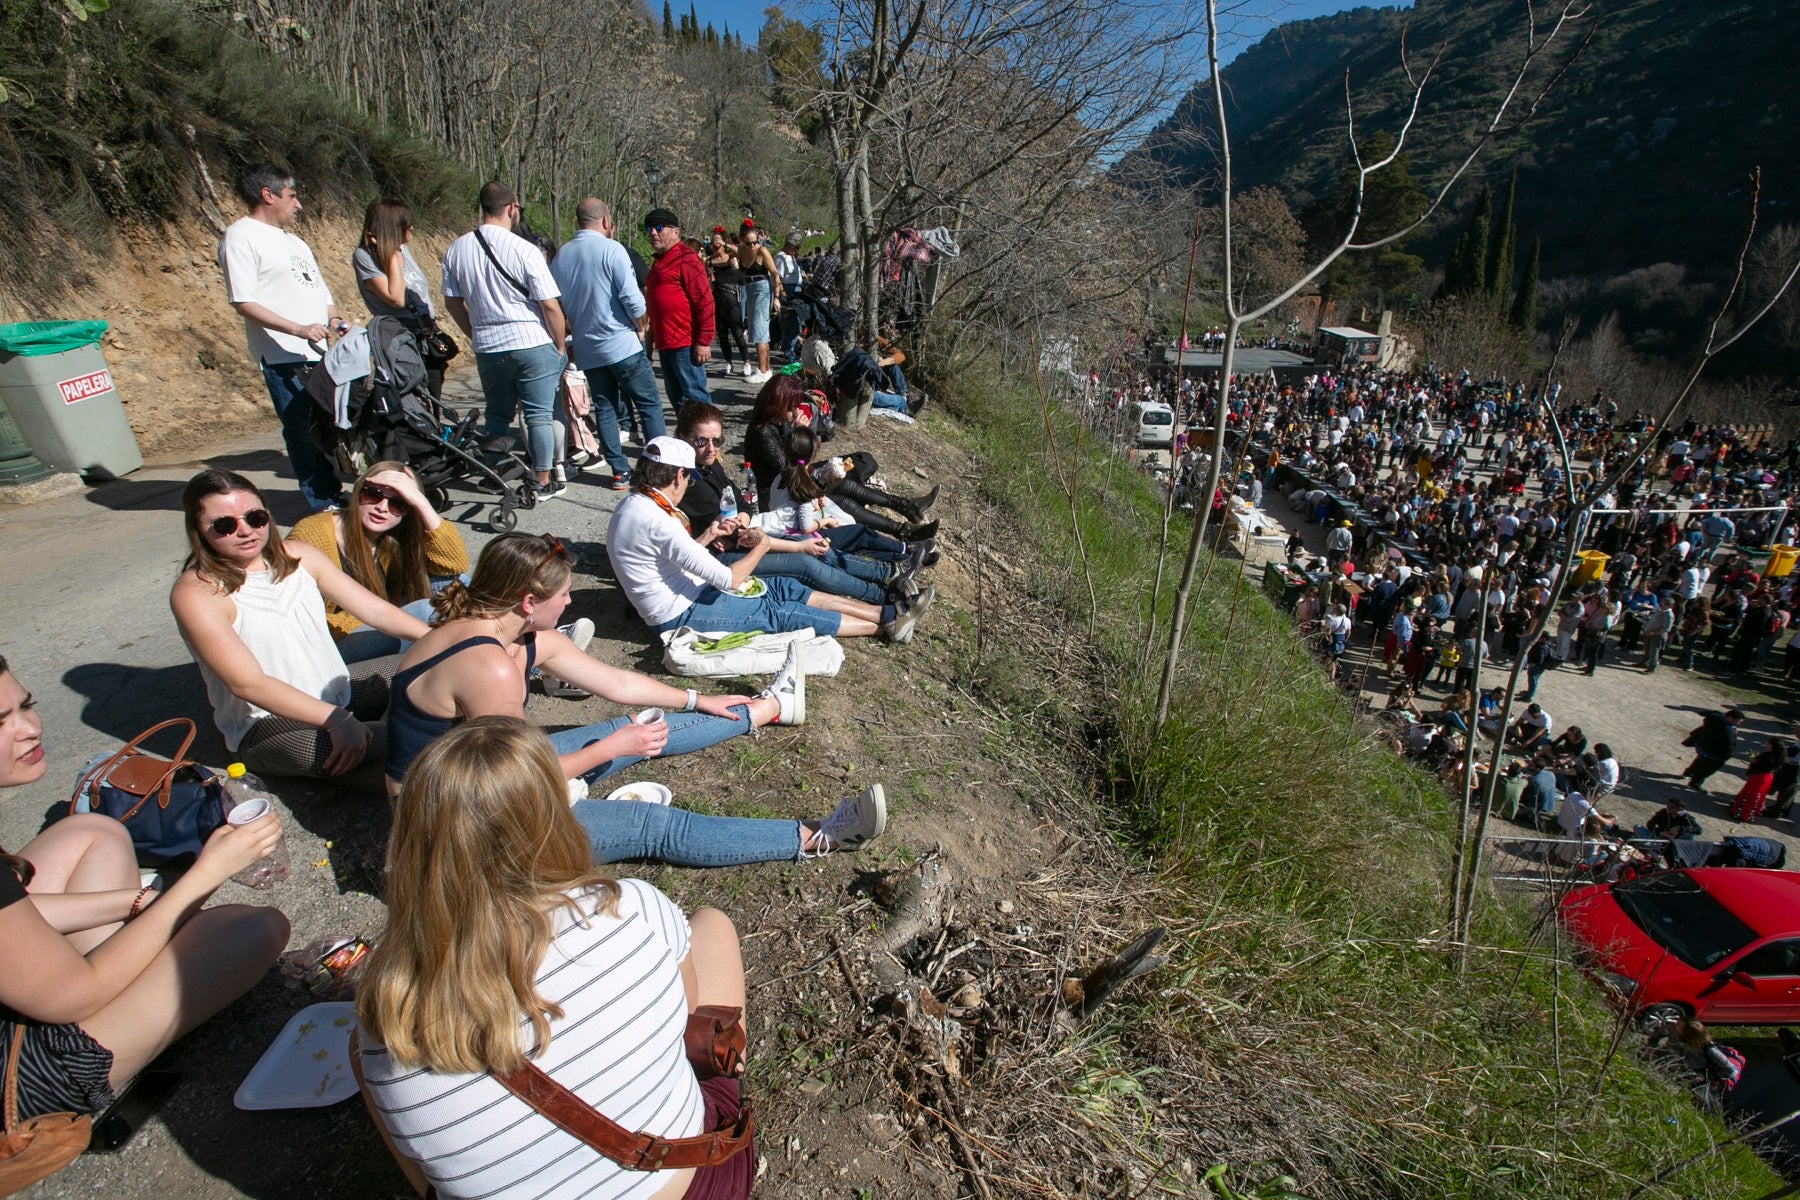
{"x":633,"y":1151}
{"x":11,"y":1110}
{"x":504,"y":273}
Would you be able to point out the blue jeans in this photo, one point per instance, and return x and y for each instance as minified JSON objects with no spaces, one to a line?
{"x":890,"y":400}
{"x":360,"y":645}
{"x":318,"y":480}
{"x":615,"y":385}
{"x":839,"y":574}
{"x":756,"y":310}
{"x":782,"y":608}
{"x":683,"y":378}
{"x":620,"y":830}
{"x":688,"y":732}
{"x":896,"y":379}
{"x":863,"y":542}
{"x":515,"y":379}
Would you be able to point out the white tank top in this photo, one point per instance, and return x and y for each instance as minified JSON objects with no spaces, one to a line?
{"x":283,"y":624}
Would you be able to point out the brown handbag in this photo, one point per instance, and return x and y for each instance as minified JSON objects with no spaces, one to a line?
{"x":715,"y":1045}
{"x":38,"y":1148}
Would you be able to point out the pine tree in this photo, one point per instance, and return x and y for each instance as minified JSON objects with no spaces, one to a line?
{"x":668,"y":23}
{"x":1464,"y":274}
{"x":1524,"y":306}
{"x":1502,"y":241}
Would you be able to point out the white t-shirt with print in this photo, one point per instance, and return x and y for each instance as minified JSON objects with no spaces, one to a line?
{"x":271,"y":267}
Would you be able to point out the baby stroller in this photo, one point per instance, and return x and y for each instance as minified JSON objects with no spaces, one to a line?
{"x":387,"y":412}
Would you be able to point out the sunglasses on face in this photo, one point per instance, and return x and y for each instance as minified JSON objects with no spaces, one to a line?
{"x":707,"y":441}
{"x":375,"y":493}
{"x":256,"y":518}
{"x":656,"y":228}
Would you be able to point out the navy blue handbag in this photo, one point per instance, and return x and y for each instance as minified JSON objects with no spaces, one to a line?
{"x":169,"y":806}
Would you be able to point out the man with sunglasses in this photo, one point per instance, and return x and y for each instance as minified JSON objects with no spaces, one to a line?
{"x":499,"y":291}
{"x":679,"y":299}
{"x":274,"y":283}
{"x":606,"y":317}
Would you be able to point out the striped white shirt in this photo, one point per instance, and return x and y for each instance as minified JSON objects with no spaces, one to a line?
{"x":503,"y":317}
{"x":618,"y":1046}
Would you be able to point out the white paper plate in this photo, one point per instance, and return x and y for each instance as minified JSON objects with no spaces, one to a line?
{"x":646,"y":793}
{"x":308,"y":1066}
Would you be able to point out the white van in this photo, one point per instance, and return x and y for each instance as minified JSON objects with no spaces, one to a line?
{"x":1155,"y":423}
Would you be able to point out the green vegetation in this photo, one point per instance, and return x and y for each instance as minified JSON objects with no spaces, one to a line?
{"x":1638,"y":156}
{"x":110,"y":119}
{"x":1303,"y":873}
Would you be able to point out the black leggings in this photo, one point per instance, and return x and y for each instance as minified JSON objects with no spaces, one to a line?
{"x":728,"y":308}
{"x":284,"y":748}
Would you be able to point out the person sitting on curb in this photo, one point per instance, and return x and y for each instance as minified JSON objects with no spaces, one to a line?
{"x":104,"y":974}
{"x":671,"y":580}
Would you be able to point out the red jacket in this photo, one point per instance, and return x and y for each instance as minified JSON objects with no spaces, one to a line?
{"x":678,"y":297}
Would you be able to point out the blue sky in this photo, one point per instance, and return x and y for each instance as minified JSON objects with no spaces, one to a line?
{"x":1245,"y":20}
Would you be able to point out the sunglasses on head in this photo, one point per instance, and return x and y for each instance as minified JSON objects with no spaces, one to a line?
{"x":375,"y":493}
{"x":256,"y":518}
{"x":556,"y":550}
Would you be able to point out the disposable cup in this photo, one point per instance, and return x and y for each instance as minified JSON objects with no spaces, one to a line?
{"x":271,"y":869}
{"x":649,"y":716}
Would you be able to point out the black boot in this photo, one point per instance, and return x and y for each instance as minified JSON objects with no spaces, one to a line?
{"x":914,"y":508}
{"x":920,"y":533}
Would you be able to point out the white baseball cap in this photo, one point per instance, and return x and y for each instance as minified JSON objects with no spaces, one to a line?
{"x":670,"y":451}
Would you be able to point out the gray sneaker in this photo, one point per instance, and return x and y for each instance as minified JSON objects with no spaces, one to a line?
{"x":857,"y":819}
{"x":900,"y":630}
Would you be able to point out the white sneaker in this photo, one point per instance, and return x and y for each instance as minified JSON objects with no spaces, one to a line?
{"x":789,"y":689}
{"x":856,"y":820}
{"x":581,"y":633}
{"x":749,"y":370}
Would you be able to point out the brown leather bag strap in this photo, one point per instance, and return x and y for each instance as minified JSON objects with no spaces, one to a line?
{"x":12,"y":1076}
{"x":130,"y":750}
{"x":633,"y":1151}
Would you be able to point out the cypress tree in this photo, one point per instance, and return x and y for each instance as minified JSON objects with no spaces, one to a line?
{"x":668,"y":23}
{"x":1524,"y":306}
{"x":1464,"y":273}
{"x":1502,"y":242}
{"x":693,"y":23}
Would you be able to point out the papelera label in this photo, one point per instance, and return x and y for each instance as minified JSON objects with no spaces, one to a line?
{"x":83,"y":386}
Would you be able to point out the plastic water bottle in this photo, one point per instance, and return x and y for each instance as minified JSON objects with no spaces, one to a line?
{"x":751,"y":502}
{"x":250,"y":801}
{"x":727,"y":504}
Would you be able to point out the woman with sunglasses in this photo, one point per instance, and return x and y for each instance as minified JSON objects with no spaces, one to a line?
{"x":391,"y":541}
{"x":251,"y":609}
{"x":101,"y":974}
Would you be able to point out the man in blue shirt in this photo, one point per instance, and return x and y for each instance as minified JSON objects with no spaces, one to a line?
{"x":605,"y":311}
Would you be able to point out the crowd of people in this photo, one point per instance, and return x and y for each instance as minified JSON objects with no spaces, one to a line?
{"x":367,"y":647}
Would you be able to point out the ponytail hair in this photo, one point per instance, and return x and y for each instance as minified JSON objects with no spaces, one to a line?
{"x":800,"y":445}
{"x":511,"y":567}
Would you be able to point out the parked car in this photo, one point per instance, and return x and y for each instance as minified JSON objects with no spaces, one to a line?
{"x":1719,"y":943}
{"x":1155,"y":423}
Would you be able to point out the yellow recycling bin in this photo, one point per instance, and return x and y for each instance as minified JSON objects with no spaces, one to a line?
{"x":1591,"y":567}
{"x":1781,"y":561}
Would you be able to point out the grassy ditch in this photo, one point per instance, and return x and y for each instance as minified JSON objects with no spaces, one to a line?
{"x":1303,"y":872}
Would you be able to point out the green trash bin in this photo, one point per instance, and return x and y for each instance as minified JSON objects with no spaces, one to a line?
{"x":55,"y":383}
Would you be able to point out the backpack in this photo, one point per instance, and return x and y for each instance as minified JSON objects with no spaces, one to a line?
{"x":856,"y":368}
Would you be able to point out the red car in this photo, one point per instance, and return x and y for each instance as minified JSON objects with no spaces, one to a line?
{"x":1720,"y":943}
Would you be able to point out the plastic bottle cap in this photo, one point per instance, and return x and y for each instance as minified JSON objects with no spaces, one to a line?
{"x":236,"y":770}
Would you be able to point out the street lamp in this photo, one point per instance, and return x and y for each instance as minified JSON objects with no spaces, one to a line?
{"x":653,"y":177}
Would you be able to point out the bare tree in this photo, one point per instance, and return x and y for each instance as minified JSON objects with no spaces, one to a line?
{"x":1538,"y":42}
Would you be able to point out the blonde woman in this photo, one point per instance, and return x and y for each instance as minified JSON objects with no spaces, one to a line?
{"x":392,"y":542}
{"x":100,"y":974}
{"x":591,"y":979}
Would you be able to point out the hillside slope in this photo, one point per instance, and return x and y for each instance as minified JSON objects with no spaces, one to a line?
{"x":1638,"y":156}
